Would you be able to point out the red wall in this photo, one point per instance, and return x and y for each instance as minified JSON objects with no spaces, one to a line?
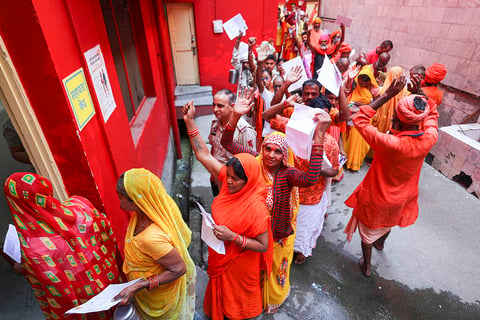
{"x":46,"y":41}
{"x":215,"y":50}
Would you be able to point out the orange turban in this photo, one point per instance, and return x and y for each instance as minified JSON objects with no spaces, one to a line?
{"x":317,"y":20}
{"x":435,"y":73}
{"x":412,"y":109}
{"x":335,"y":33}
{"x":345,"y":47}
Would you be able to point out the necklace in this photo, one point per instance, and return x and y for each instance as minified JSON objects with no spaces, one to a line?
{"x":140,"y":228}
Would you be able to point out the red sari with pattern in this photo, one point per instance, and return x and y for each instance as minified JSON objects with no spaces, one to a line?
{"x":68,"y":249}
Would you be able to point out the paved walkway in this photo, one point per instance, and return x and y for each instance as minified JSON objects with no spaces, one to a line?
{"x":427,"y":271}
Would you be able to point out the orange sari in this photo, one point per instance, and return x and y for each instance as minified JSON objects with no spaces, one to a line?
{"x":233,"y":290}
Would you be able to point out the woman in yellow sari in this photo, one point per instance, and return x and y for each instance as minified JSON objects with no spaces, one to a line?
{"x":383,"y":118}
{"x":156,"y":249}
{"x":365,"y":88}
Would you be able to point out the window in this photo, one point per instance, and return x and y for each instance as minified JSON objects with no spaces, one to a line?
{"x":117,"y":17}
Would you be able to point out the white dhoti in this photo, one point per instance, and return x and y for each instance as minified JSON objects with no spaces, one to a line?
{"x":309,"y":225}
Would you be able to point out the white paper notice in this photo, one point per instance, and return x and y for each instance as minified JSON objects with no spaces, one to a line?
{"x":103,"y":300}
{"x":233,"y":26}
{"x":300,"y":130}
{"x":289,"y":65}
{"x":207,"y":232}
{"x":11,"y":246}
{"x":243,"y":51}
{"x":101,"y":81}
{"x":330,"y":77}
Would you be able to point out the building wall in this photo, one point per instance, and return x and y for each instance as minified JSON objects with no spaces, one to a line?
{"x":215,"y":50}
{"x":423,"y":32}
{"x":47,"y":40}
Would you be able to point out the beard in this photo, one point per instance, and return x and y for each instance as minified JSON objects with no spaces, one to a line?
{"x":316,"y":28}
{"x":324,"y":47}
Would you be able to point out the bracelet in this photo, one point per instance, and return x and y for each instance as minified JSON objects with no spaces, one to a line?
{"x":236,"y":237}
{"x":244,"y":242}
{"x":315,"y":145}
{"x":193,"y":133}
{"x":152,"y":282}
{"x":286,"y":104}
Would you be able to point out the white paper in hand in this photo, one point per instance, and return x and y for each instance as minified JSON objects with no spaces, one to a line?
{"x":207,"y":232}
{"x":233,"y":26}
{"x":289,"y":65}
{"x":300,"y":130}
{"x":11,"y":246}
{"x":103,"y":300}
{"x":329,"y":76}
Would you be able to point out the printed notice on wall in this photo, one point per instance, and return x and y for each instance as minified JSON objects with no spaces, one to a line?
{"x":79,"y":97}
{"x":101,"y":81}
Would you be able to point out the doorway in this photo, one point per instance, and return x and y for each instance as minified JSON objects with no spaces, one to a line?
{"x":181,"y":26}
{"x":16,"y":109}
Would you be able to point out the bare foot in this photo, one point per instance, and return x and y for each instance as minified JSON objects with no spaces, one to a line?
{"x":300,"y":258}
{"x":364,"y":269}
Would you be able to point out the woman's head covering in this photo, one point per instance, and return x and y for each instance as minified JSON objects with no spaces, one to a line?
{"x":335,"y":33}
{"x":254,"y":188}
{"x":147,"y":192}
{"x":435,"y":73}
{"x":65,"y":246}
{"x":364,"y":95}
{"x":412,"y":109}
{"x":393,"y":73}
{"x":279,"y":139}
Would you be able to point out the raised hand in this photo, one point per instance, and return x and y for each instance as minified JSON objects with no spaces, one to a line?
{"x":244,"y":102}
{"x":293,"y":99}
{"x":396,"y":86}
{"x":415,"y":83}
{"x":323,"y":121}
{"x":188,"y":111}
{"x":294,"y":75}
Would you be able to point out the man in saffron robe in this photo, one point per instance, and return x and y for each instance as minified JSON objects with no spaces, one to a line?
{"x":433,"y":75}
{"x":388,"y":194}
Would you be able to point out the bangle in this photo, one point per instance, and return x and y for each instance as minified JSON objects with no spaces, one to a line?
{"x":286,"y":104}
{"x":193,"y":133}
{"x":244,"y":242}
{"x":315,"y":145}
{"x":152,"y":282}
{"x":236,"y":237}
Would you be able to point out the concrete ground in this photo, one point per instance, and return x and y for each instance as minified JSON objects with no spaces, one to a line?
{"x":427,"y":271}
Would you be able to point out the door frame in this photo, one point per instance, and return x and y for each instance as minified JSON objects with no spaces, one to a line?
{"x":192,"y":30}
{"x":21,"y":113}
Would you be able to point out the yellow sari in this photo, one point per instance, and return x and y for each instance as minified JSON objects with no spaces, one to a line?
{"x":355,"y":146}
{"x":383,"y":118}
{"x":174,"y":300}
{"x":276,"y":285}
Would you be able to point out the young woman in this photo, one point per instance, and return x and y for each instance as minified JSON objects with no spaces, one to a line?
{"x":282,"y":195}
{"x":242,"y":222}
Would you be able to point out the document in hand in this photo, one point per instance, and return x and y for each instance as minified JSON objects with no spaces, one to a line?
{"x":289,"y":65}
{"x":330,"y":77}
{"x":300,"y":130}
{"x":233,"y":26}
{"x":207,"y":232}
{"x":11,"y":246}
{"x":103,"y":300}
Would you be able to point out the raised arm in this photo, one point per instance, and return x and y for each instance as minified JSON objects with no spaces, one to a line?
{"x":271,"y":112}
{"x":310,"y":177}
{"x":201,"y":151}
{"x":293,"y":76}
{"x":241,"y":107}
{"x":261,"y":57}
{"x":344,"y":112}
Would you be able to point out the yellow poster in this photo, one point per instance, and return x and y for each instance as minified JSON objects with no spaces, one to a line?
{"x":79,"y":96}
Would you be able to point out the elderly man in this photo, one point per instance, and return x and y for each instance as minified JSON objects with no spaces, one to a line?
{"x":223,"y":103}
{"x":388,"y":194}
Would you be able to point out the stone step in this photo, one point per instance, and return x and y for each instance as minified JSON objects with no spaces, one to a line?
{"x":201,"y":95}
